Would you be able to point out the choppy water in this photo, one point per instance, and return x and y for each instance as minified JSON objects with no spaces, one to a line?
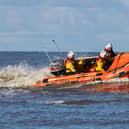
{"x":97,"y":106}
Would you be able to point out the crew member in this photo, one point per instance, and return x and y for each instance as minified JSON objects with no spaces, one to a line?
{"x":80,"y":66}
{"x":101,"y":62}
{"x":110,"y":54}
{"x":70,"y":63}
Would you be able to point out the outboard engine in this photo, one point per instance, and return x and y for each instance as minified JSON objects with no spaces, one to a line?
{"x":57,"y":67}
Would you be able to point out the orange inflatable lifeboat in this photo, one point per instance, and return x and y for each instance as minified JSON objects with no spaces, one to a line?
{"x":118,"y":69}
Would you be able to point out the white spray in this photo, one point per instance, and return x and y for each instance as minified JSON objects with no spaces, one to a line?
{"x":22,"y":75}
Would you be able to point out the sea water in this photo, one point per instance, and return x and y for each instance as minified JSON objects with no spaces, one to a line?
{"x":97,"y":106}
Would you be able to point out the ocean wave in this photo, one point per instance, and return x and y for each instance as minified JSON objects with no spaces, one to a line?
{"x":21,"y":75}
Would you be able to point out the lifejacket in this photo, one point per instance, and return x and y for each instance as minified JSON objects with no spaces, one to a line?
{"x":70,"y":65}
{"x":100,"y":63}
{"x":99,"y":58}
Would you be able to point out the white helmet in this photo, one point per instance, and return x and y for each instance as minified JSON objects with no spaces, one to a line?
{"x":70,"y":54}
{"x":102,"y":54}
{"x":109,"y":45}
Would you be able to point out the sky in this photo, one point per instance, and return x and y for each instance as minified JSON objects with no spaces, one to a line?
{"x":77,"y":25}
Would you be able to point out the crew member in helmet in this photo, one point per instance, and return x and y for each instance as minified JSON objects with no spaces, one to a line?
{"x":110,"y":53}
{"x":70,"y":63}
{"x":109,"y":50}
{"x":101,"y":62}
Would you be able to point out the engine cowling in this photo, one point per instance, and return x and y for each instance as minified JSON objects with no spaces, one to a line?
{"x":57,"y":67}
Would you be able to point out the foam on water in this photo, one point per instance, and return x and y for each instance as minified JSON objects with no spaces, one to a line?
{"x":120,"y":80}
{"x":54,"y":102}
{"x":21,"y":75}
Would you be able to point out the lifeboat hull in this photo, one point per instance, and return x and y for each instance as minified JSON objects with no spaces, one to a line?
{"x":118,"y":69}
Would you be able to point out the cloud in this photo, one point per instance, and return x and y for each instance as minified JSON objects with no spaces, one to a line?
{"x":69,"y":21}
{"x":55,"y":18}
{"x":122,"y":2}
{"x":66,"y":3}
{"x":21,"y":3}
{"x":20,"y":33}
{"x":16,"y":37}
{"x":62,"y":15}
{"x":111,"y":36}
{"x":8,"y":39}
{"x":119,"y":40}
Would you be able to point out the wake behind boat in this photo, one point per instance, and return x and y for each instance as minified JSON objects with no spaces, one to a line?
{"x":118,"y":69}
